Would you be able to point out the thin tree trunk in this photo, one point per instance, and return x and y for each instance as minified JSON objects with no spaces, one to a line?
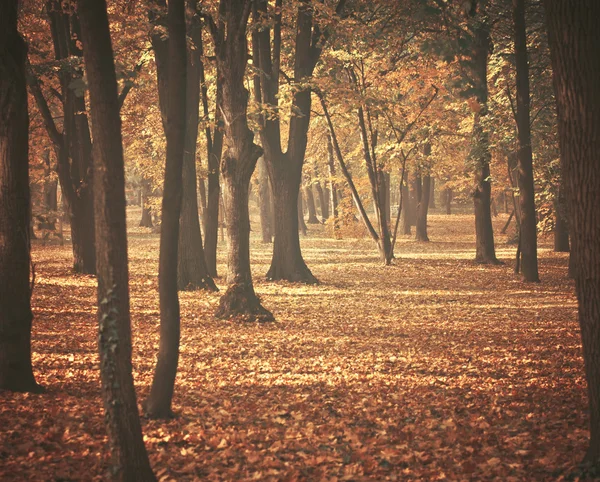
{"x":158,"y":404}
{"x":407,"y":208}
{"x":300,"y":205}
{"x":561,"y":225}
{"x":310,"y":204}
{"x":528,"y":225}
{"x":332,"y":185}
{"x":423,"y":209}
{"x":264,"y":199}
{"x":323,"y":201}
{"x":129,"y":458}
{"x":16,"y":373}
{"x":192,"y":272}
{"x":146,"y":220}
{"x":448,"y":201}
{"x":574,"y":46}
{"x":432,"y":194}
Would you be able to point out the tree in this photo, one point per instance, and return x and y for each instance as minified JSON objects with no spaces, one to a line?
{"x":285,"y":168}
{"x":192,"y":270}
{"x":16,"y":372}
{"x":575,"y":50}
{"x":158,"y":403}
{"x":72,"y":145}
{"x":528,"y":221}
{"x":239,"y":159}
{"x":129,"y":457}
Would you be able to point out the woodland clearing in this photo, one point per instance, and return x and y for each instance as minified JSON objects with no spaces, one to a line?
{"x":435,"y":368}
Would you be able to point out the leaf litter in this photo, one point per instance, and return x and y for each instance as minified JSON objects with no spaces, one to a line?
{"x":433,"y":369}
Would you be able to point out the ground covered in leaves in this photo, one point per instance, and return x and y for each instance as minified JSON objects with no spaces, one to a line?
{"x":433,"y":369}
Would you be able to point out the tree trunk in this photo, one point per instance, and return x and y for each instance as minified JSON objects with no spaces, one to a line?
{"x":310,"y":204}
{"x":16,"y":373}
{"x":432,"y":194}
{"x":146,"y":220}
{"x":561,"y":225}
{"x":387,"y":191}
{"x":192,"y":272}
{"x":158,"y":404}
{"x":302,"y":225}
{"x":323,"y":201}
{"x":406,"y":209}
{"x":214,"y":147}
{"x":423,"y":209}
{"x":332,"y":184}
{"x":285,"y":169}
{"x":448,"y":201}
{"x":129,"y":458}
{"x":528,"y":227}
{"x":74,"y":147}
{"x":574,"y":46}
{"x":480,"y":150}
{"x":239,"y":160}
{"x":264,"y":199}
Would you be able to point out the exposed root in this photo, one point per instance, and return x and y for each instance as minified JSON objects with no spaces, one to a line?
{"x":240,"y":303}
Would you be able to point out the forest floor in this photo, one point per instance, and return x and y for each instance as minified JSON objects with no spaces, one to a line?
{"x":433,"y":369}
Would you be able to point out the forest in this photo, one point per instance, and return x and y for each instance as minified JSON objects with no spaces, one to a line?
{"x":299,"y":240}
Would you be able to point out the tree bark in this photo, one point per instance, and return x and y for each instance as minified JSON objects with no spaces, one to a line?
{"x":528,"y":225}
{"x":406,"y":209}
{"x":16,"y":373}
{"x":146,"y":220}
{"x":266,"y":205}
{"x":239,"y":160}
{"x":332,"y":184}
{"x":192,"y":272}
{"x":129,"y":457}
{"x":574,"y":46}
{"x":158,"y":404}
{"x":448,"y":200}
{"x":285,"y":168}
{"x":310,"y":204}
{"x":561,"y":225}
{"x":301,"y":224}
{"x":480,"y":151}
{"x":423,"y":209}
{"x":323,"y":202}
{"x":73,"y":146}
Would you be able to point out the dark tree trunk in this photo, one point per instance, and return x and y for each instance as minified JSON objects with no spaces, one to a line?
{"x":285,"y":169}
{"x":332,"y":184}
{"x":192,"y":272}
{"x":387,"y":197}
{"x":214,"y":147}
{"x":310,"y":204}
{"x":323,"y":201}
{"x":448,"y":200}
{"x":73,"y":146}
{"x":158,"y":404}
{"x":480,"y":150}
{"x":528,"y":227}
{"x":129,"y":458}
{"x":16,"y":372}
{"x":432,"y":194}
{"x":301,"y":224}
{"x":266,"y":205}
{"x":239,"y":160}
{"x":406,"y":209}
{"x":423,"y":209}
{"x":146,"y":220}
{"x":574,"y":46}
{"x":561,"y":225}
